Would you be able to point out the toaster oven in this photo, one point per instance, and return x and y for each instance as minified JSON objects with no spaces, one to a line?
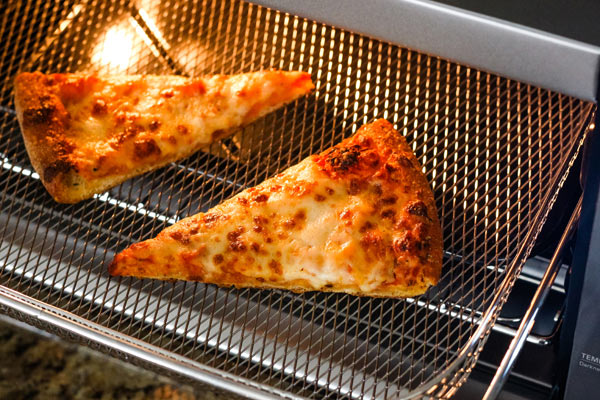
{"x":500,"y":113}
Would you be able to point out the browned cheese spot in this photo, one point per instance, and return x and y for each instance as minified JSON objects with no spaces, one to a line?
{"x":377,"y":189}
{"x":329,"y":191}
{"x":143,"y":148}
{"x":343,"y":159}
{"x":261,"y":198}
{"x":193,"y":88}
{"x":211,"y":218}
{"x":356,"y":187}
{"x":41,"y":114}
{"x":289,"y":223}
{"x":417,"y":208}
{"x":259,"y":223}
{"x":403,"y":161}
{"x":405,"y":243}
{"x":182,"y":129}
{"x":346,"y":216}
{"x":190,"y":255}
{"x":388,"y":214}
{"x":372,"y":243}
{"x":299,"y":190}
{"x":99,"y":108}
{"x":275,"y":266}
{"x":167,"y":93}
{"x":130,"y":132}
{"x":120,"y":118}
{"x":371,"y":159}
{"x":319,"y":197}
{"x":154,"y":125}
{"x":389,"y":200}
{"x":395,"y":167}
{"x":180,"y":237}
{"x":295,"y":221}
{"x":256,"y":247}
{"x":260,"y":220}
{"x":235,"y":242}
{"x":367,"y":226}
{"x":218,"y":259}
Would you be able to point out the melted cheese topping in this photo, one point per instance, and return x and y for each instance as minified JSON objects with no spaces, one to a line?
{"x":314,"y":227}
{"x":118,"y":124}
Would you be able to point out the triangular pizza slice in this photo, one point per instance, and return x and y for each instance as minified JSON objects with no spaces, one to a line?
{"x":86,"y":133}
{"x":358,"y":218}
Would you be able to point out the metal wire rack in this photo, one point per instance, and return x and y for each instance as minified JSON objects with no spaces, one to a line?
{"x":494,"y":150}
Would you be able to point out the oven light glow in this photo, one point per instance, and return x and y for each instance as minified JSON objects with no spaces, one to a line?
{"x":193,"y":56}
{"x":115,"y":50}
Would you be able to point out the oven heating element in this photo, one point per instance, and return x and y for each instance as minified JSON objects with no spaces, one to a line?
{"x":495,"y":151}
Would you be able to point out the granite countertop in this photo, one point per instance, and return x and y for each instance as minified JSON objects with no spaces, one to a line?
{"x":37,"y":365}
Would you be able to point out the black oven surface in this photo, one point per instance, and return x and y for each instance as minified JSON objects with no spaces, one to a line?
{"x":574,"y":19}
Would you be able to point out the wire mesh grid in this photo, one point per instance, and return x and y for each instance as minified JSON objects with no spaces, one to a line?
{"x":494,"y":151}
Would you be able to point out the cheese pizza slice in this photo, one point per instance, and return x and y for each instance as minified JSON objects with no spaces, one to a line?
{"x":358,"y":218}
{"x":85,"y":134}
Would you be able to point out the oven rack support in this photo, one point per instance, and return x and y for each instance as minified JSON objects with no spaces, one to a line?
{"x":516,"y":344}
{"x":579,"y":333}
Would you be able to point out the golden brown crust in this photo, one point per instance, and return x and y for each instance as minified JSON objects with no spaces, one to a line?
{"x":85,"y":134}
{"x":358,"y":218}
{"x":43,"y":121}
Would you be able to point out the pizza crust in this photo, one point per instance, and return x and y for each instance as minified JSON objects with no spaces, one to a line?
{"x":43,"y":119}
{"x":358,"y":218}
{"x":58,"y":114}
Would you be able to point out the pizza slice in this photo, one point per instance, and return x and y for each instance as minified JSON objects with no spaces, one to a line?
{"x":85,"y":133}
{"x":358,"y":218}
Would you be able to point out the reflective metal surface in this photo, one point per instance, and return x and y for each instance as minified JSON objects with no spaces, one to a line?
{"x":494,"y":150}
{"x":537,"y":301}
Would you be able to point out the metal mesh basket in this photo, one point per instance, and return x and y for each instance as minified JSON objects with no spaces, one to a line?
{"x":494,"y":150}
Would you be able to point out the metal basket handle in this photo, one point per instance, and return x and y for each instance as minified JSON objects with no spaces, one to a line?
{"x":536,"y":303}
